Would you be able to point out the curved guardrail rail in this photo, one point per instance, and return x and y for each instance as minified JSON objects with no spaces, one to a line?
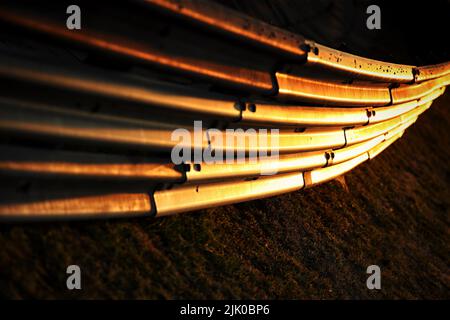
{"x":37,"y":162}
{"x":430,"y":72}
{"x":227,"y":21}
{"x":209,"y":66}
{"x":94,"y":140}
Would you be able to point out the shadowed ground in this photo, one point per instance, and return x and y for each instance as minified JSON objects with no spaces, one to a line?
{"x":315,"y":243}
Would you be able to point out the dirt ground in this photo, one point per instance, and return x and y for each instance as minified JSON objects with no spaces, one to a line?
{"x":316,"y":243}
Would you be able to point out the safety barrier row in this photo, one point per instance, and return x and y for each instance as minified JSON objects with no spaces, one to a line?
{"x":87,"y":119}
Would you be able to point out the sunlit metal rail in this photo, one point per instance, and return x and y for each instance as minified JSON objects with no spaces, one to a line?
{"x":87,"y":120}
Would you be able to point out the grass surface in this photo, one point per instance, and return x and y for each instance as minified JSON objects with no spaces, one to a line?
{"x":317,"y":243}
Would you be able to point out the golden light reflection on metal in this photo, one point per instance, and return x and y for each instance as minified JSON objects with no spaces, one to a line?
{"x":380,"y":114}
{"x":234,"y":23}
{"x":322,"y":175}
{"x":142,"y":51}
{"x":200,"y":196}
{"x":118,"y":86}
{"x":317,"y":143}
{"x":416,"y":91}
{"x":359,"y":67}
{"x":288,"y":115}
{"x":230,"y":22}
{"x":36,"y":162}
{"x":384,"y":145}
{"x":333,"y":93}
{"x":73,"y":207}
{"x":431,"y":72}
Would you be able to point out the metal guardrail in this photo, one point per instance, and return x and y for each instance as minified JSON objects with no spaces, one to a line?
{"x":23,"y":161}
{"x":232,"y":23}
{"x":113,"y":85}
{"x":118,"y":128}
{"x":416,"y":91}
{"x":431,"y":72}
{"x":211,"y":66}
{"x":335,"y":93}
{"x":235,"y":24}
{"x":72,"y":207}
